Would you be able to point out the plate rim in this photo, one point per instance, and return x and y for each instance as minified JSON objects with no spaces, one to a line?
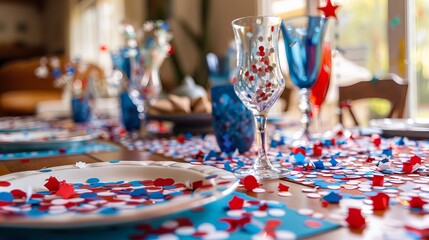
{"x":145,"y":213}
{"x":407,"y":130}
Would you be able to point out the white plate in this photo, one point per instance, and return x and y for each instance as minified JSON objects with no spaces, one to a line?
{"x":16,"y":124}
{"x":411,"y":128}
{"x":42,"y":140}
{"x":222,"y":183}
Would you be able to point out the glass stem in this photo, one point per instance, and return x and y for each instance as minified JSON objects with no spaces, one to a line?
{"x":305,"y":107}
{"x":317,"y":116}
{"x":262,"y":162}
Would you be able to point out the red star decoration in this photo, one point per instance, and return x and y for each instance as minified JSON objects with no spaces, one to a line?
{"x":52,"y":184}
{"x":66,"y":190}
{"x":283,"y":188}
{"x":236,"y":203}
{"x":380,"y":201}
{"x":415,"y":159}
{"x":355,"y":219}
{"x":416,"y":202}
{"x":329,"y":10}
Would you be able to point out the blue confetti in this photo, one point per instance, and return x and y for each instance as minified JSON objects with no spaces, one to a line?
{"x":333,"y":161}
{"x":299,"y":159}
{"x":109,"y":211}
{"x":114,"y":161}
{"x":138,"y":192}
{"x":45,"y":170}
{"x":6,"y":197}
{"x":93,"y":180}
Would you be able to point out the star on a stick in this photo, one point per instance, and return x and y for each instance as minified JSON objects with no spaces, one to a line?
{"x":329,"y":10}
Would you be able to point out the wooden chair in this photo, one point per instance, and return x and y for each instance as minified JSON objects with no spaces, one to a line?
{"x":392,"y":88}
{"x":286,"y":96}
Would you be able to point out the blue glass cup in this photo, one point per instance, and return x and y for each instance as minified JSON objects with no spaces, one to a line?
{"x":233,"y":123}
{"x":129,"y":113}
{"x":81,"y":110}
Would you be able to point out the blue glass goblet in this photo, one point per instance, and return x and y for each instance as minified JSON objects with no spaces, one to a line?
{"x":303,"y":39}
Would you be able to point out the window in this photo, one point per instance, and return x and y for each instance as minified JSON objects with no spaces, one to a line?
{"x":94,"y":24}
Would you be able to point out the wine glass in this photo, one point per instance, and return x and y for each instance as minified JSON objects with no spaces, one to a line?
{"x":145,"y":61}
{"x":303,"y":39}
{"x":320,"y":88}
{"x":259,"y":81}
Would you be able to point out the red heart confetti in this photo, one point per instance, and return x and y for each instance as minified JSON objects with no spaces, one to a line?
{"x":249,"y":182}
{"x":163,"y":182}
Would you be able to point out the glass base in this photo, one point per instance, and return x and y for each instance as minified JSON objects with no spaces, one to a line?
{"x":262,"y":174}
{"x":302,"y":139}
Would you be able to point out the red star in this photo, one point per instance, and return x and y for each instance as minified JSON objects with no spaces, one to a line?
{"x":380,"y":201}
{"x":329,"y":10}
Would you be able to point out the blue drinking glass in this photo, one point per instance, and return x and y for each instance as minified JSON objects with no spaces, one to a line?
{"x":232,"y":122}
{"x":129,"y":114}
{"x":81,"y":110}
{"x":303,"y":39}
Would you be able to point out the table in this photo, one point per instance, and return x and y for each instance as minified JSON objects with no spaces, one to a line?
{"x":377,"y":224}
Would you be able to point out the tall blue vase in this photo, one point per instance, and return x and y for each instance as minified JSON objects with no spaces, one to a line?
{"x":233,"y":123}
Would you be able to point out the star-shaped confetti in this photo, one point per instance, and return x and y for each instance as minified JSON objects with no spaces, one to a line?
{"x":329,"y":10}
{"x":80,"y":164}
{"x":66,"y":190}
{"x":355,"y":218}
{"x":380,"y":201}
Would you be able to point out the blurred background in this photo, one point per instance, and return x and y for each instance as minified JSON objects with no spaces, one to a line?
{"x":371,"y":38}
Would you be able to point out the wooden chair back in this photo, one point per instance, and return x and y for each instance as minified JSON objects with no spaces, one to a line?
{"x":392,"y":88}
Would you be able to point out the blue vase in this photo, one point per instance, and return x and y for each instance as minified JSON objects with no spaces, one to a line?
{"x":233,"y":123}
{"x":81,"y":110}
{"x":129,"y":114}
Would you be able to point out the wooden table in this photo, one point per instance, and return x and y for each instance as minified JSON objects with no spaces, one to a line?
{"x":376,"y":224}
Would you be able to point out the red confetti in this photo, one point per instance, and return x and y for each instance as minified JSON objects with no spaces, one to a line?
{"x":415,"y":160}
{"x":313,"y":224}
{"x":407,"y":167}
{"x":355,"y":218}
{"x":250,"y":182}
{"x":17,"y":194}
{"x":377,"y":180}
{"x":66,"y":190}
{"x":416,"y":202}
{"x":197,"y":184}
{"x":299,"y":150}
{"x":283,"y":188}
{"x":234,"y":80}
{"x":25,"y":160}
{"x":380,"y":201}
{"x":263,"y":207}
{"x":325,"y":204}
{"x":4,"y":184}
{"x":181,"y":139}
{"x":317,"y":150}
{"x":236,"y":203}
{"x":270,"y":227}
{"x":163,"y":182}
{"x":329,"y":10}
{"x":61,"y":151}
{"x":423,"y":233}
{"x":376,"y":140}
{"x":53,"y":184}
{"x":171,"y":50}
